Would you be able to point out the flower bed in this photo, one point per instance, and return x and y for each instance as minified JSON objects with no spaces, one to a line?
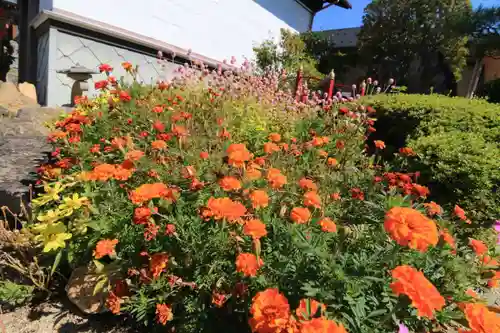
{"x":230,"y":207}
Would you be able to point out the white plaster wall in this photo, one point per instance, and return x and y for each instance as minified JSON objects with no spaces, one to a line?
{"x":58,"y":51}
{"x":217,"y":29}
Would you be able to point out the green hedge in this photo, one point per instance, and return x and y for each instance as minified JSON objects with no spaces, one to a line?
{"x":457,"y":141}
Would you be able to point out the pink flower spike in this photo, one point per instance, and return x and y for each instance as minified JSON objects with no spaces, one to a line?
{"x":403,"y":329}
{"x":497,"y":226}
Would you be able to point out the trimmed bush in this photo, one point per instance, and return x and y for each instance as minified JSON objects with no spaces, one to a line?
{"x":233,"y":208}
{"x":457,"y":141}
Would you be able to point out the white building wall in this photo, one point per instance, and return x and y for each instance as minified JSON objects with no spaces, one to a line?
{"x":217,"y":29}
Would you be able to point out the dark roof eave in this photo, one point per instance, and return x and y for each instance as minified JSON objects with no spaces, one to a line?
{"x":341,"y":3}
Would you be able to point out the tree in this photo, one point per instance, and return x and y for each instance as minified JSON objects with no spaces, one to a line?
{"x":289,"y":55}
{"x":483,"y":28}
{"x":414,"y":40}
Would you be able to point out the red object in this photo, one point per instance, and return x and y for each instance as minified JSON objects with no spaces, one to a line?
{"x":330,"y":88}
{"x":298,"y":85}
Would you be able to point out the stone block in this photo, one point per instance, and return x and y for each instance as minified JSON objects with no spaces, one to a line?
{"x":28,"y":90}
{"x":12,"y":99}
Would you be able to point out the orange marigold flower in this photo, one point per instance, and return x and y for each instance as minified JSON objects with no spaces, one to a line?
{"x":141,"y":215}
{"x":113,"y":303}
{"x":224,"y":208}
{"x":407,"y":151}
{"x":307,"y":184}
{"x":122,"y":173}
{"x":421,"y":191}
{"x":204,"y":155}
{"x":127,"y":66}
{"x":489,"y":261}
{"x":433,"y":208}
{"x":164,"y":313}
{"x":459,"y":212}
{"x":255,"y":228}
{"x":148,"y":192}
{"x":479,"y":247}
{"x":471,"y":293}
{"x":252,"y":173}
{"x":259,"y":199}
{"x":105,"y":247}
{"x":327,"y":225}
{"x":248,"y":264}
{"x":230,"y":184}
{"x":218,"y":299}
{"x":422,"y":293}
{"x":494,"y":281}
{"x":335,"y":196}
{"x":480,"y":319}
{"x":270,"y":312}
{"x":158,"y":262}
{"x":322,"y":153}
{"x":332,"y":161}
{"x":158,"y":145}
{"x":103,"y":172}
{"x":409,"y":227}
{"x":56,"y":135}
{"x":312,"y":199}
{"x":275,"y":178}
{"x":447,"y":238}
{"x":314,"y":306}
{"x":271,"y":147}
{"x":188,"y":172}
{"x":275,"y":137}
{"x":179,"y":131}
{"x":134,"y":155}
{"x":323,"y":325}
{"x":238,"y":154}
{"x":300,"y":215}
{"x":118,"y":142}
{"x":379,"y":144}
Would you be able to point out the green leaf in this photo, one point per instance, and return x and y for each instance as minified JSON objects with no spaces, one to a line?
{"x":56,"y":263}
{"x":99,"y":286}
{"x":376,"y":313}
{"x":99,"y":267}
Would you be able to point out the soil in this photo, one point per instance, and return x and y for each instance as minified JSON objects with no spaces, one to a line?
{"x":61,"y":317}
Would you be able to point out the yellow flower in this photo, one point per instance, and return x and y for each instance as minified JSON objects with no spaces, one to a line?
{"x":51,"y":194}
{"x":53,"y":236}
{"x":50,"y":217}
{"x":70,"y":204}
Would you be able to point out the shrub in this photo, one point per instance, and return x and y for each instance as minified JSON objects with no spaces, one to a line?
{"x":211,"y":222}
{"x":456,"y":140}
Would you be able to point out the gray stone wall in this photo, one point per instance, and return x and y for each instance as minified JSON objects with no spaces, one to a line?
{"x":59,"y":50}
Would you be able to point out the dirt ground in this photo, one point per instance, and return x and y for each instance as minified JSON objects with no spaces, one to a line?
{"x":61,"y":318}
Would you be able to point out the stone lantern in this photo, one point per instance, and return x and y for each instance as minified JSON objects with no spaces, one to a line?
{"x":80,"y":75}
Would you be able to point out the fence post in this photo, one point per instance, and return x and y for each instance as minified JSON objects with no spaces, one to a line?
{"x":331,"y":85}
{"x":298,"y":84}
{"x":363,"y":88}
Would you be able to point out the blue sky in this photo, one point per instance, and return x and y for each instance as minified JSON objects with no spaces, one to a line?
{"x":336,"y":17}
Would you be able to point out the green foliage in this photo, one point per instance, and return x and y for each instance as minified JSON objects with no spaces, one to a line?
{"x":290,"y":54}
{"x":139,"y":190}
{"x":14,"y":294}
{"x":457,"y":142}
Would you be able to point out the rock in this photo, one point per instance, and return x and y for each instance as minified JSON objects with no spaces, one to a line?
{"x":13,"y":100}
{"x":42,"y":113}
{"x":28,"y":90}
{"x":80,"y":291}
